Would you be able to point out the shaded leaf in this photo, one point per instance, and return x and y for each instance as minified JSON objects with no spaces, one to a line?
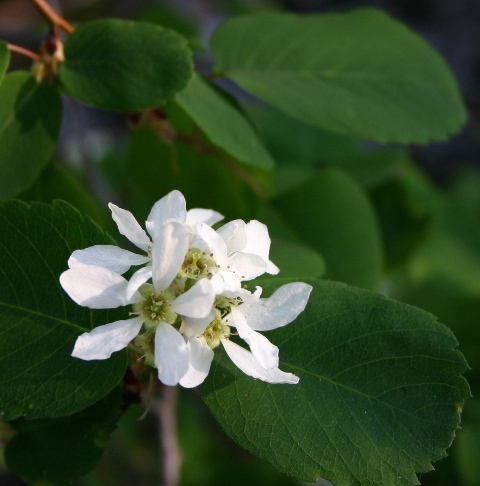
{"x":75,"y":444}
{"x":30,"y":118}
{"x":404,"y":224}
{"x":125,"y":66}
{"x":360,"y":73}
{"x":4,"y":59}
{"x":206,"y":181}
{"x":55,"y":183}
{"x":333,"y":215}
{"x":224,"y":125}
{"x":379,"y":395}
{"x":39,"y":323}
{"x":295,"y":260}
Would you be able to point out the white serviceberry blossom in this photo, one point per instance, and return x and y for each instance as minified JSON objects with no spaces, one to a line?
{"x":156,"y":307}
{"x":172,"y":207}
{"x":252,"y":315}
{"x":240,"y":250}
{"x":195,"y":296}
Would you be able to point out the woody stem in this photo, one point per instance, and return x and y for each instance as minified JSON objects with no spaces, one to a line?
{"x":52,"y":16}
{"x":24,"y":52}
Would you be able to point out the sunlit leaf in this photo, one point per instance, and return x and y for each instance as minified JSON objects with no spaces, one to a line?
{"x":125,"y":66}
{"x":224,"y":125}
{"x":360,"y":73}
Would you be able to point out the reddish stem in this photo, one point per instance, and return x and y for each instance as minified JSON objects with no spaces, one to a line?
{"x":24,"y":52}
{"x":52,"y":16}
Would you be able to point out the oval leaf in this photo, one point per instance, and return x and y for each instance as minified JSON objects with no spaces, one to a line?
{"x":360,"y":73}
{"x":39,"y":323}
{"x":122,"y":65}
{"x":378,"y":399}
{"x":4,"y":59}
{"x":30,"y":118}
{"x":331,"y":213}
{"x":69,"y":454}
{"x":225,"y":126}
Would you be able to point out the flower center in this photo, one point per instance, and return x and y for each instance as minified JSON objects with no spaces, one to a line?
{"x":155,"y":307}
{"x":196,"y":265}
{"x":216,"y":330}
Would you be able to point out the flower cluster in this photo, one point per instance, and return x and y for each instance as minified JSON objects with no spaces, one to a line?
{"x":187,"y":295}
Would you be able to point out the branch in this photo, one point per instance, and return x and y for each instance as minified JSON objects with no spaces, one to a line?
{"x":24,"y":52}
{"x":52,"y":16}
{"x":166,"y":412}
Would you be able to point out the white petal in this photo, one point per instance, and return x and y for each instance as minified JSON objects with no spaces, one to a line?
{"x":272,"y":269}
{"x":280,"y":309}
{"x":128,"y":226}
{"x":171,"y":354}
{"x":95,"y":287}
{"x":168,"y":252}
{"x":232,"y":291}
{"x":201,"y":357}
{"x":199,"y":215}
{"x":104,"y":340}
{"x":258,"y":243}
{"x":230,"y":279}
{"x":171,"y":207}
{"x":196,"y":302}
{"x":106,"y":256}
{"x":234,"y":236}
{"x":251,"y":367}
{"x":251,"y":298}
{"x":247,"y":266}
{"x":264,"y":351}
{"x":214,"y":242}
{"x":138,"y":279}
{"x":192,"y":327}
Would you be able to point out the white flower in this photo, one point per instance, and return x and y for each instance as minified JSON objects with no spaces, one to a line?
{"x":195,"y":296}
{"x":261,"y":361}
{"x":240,"y":250}
{"x":170,"y":208}
{"x":156,"y":305}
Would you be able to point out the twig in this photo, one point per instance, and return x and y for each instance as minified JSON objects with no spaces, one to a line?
{"x":53,"y":17}
{"x":24,"y":52}
{"x":165,"y":410}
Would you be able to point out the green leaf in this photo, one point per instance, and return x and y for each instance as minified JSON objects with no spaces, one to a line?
{"x":39,"y":323}
{"x":74,"y":444}
{"x":56,"y":183}
{"x":4,"y":59}
{"x":300,"y":144}
{"x":379,"y":395}
{"x":125,"y":66}
{"x":30,"y":115}
{"x":404,"y":224}
{"x":360,"y":73}
{"x":224,"y":125}
{"x":295,"y":260}
{"x":332,"y":214}
{"x":206,"y":181}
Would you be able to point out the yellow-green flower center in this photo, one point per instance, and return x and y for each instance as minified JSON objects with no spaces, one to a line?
{"x":197,"y":264}
{"x":215,"y":331}
{"x":155,"y":307}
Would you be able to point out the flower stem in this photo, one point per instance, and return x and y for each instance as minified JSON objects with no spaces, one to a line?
{"x":165,"y":409}
{"x":52,"y":16}
{"x":24,"y":52}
